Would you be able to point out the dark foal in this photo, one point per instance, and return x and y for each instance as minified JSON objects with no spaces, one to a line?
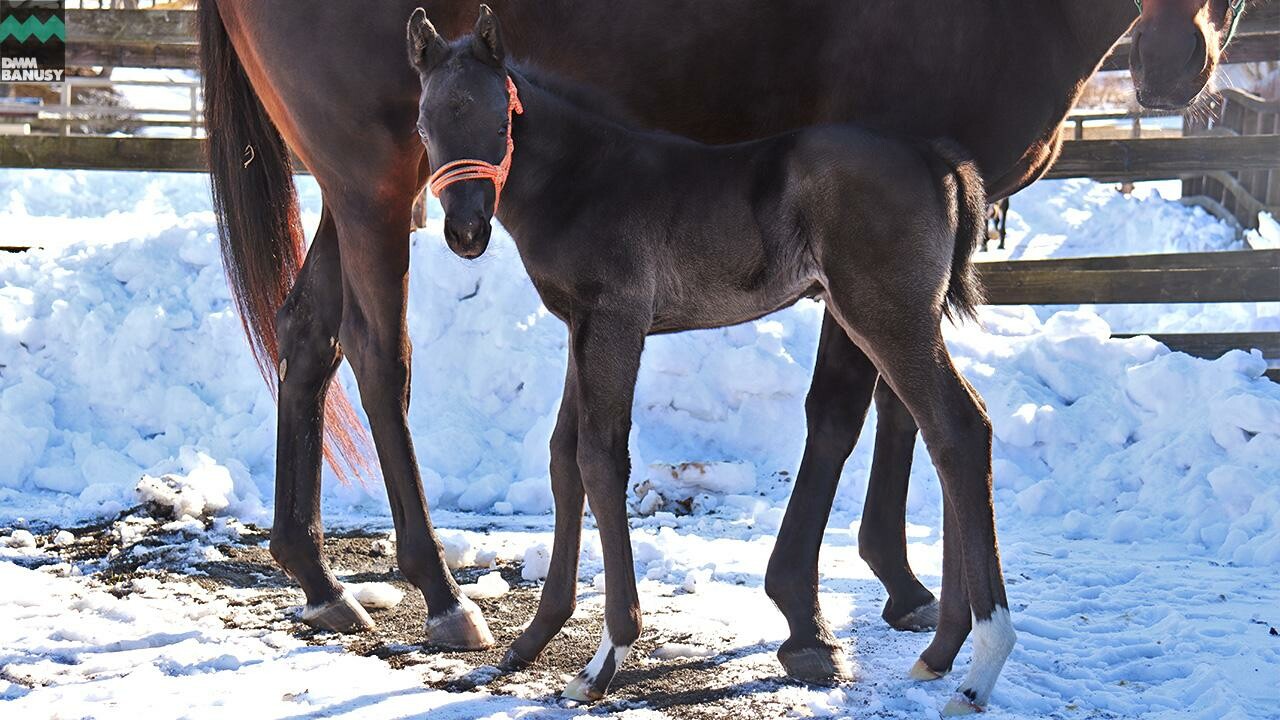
{"x":627,"y":233}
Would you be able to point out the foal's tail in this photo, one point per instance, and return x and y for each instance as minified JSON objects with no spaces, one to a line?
{"x":962,"y":181}
{"x":258,"y":221}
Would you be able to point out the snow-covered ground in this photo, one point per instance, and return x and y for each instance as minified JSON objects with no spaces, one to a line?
{"x":1137,"y":490}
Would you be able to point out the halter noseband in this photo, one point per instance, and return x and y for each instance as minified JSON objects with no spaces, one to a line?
{"x":460,"y":170}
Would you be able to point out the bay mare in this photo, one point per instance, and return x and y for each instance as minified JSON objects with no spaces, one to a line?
{"x":329,"y":82}
{"x":627,"y":233}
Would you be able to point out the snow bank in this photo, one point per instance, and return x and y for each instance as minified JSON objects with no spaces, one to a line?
{"x":123,"y":359}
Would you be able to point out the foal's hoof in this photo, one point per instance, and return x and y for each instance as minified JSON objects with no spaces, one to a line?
{"x":922,"y":619}
{"x":817,"y":665}
{"x":922,"y":672}
{"x":342,"y":614}
{"x":462,"y":628}
{"x":960,"y":705}
{"x":581,"y":689}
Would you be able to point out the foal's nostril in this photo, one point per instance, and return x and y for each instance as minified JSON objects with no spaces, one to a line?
{"x":465,"y":236}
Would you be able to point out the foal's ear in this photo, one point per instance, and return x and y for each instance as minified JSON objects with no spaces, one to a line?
{"x":426,"y":47}
{"x":486,"y":39}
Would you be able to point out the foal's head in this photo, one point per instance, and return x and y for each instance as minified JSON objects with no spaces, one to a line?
{"x":1176,"y":46}
{"x":464,"y":121}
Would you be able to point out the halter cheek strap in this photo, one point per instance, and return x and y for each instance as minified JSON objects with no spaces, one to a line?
{"x":460,"y":170}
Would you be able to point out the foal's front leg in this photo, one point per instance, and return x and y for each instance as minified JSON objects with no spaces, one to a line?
{"x":559,"y":592}
{"x":606,"y":348}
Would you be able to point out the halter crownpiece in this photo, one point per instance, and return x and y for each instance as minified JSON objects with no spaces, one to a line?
{"x":460,"y":170}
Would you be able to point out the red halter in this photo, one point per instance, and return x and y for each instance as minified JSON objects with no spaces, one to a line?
{"x":460,"y":170}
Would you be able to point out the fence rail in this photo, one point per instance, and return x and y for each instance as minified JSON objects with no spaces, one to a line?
{"x":1106,"y":160}
{"x":1243,"y":276}
{"x":1164,"y":158}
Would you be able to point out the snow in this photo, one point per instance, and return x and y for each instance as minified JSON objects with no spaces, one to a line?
{"x":376,"y":595}
{"x":1137,"y":490}
{"x":20,"y":539}
{"x":489,"y":585}
{"x":537,"y":562}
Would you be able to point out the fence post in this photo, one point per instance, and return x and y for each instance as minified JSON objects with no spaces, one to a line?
{"x":65,"y":98}
{"x":195,"y":105}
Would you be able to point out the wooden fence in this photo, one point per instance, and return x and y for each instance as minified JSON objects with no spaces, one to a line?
{"x":1214,"y":277}
{"x":1241,"y":191}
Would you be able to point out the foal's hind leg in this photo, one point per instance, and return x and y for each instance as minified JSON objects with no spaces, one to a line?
{"x":911,"y":355}
{"x":835,"y":408}
{"x":309,"y":355}
{"x":375,"y":265}
{"x":559,"y":592}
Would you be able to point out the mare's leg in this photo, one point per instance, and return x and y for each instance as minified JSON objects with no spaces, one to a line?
{"x":559,"y":592}
{"x":835,"y":408}
{"x":309,"y":355}
{"x":374,"y":237}
{"x":910,"y":353}
{"x":606,"y":348}
{"x":882,"y":537}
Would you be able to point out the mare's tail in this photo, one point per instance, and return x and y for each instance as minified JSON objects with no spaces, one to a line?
{"x":258,"y":222}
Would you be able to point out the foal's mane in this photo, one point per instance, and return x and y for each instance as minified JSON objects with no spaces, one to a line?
{"x":581,"y":96}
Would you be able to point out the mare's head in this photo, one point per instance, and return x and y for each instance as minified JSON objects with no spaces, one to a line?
{"x":1176,"y":46}
{"x":464,"y":121}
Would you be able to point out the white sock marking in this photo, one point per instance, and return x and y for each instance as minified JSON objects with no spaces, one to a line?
{"x":993,"y":640}
{"x":593,"y":668}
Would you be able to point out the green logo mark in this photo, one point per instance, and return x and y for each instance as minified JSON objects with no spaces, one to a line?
{"x":20,"y":31}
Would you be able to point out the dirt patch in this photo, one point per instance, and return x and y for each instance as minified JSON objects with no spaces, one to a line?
{"x":740,"y":683}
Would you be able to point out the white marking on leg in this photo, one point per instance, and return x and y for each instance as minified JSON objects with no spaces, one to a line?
{"x":606,"y":646}
{"x":993,"y":640}
{"x":582,"y":688}
{"x":284,"y":367}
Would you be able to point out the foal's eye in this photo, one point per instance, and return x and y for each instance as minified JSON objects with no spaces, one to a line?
{"x":502,"y":130}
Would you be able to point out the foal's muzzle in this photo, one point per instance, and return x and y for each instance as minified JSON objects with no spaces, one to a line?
{"x":467,"y":237}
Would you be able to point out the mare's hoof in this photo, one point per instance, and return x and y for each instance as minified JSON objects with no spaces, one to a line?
{"x":921,"y":671}
{"x":342,"y":614}
{"x":462,"y":628}
{"x":817,"y":665}
{"x":513,"y":661}
{"x":960,"y":705}
{"x":922,"y":619}
{"x":580,"y":690}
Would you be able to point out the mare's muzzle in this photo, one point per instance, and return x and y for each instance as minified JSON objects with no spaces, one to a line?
{"x":1170,"y":63}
